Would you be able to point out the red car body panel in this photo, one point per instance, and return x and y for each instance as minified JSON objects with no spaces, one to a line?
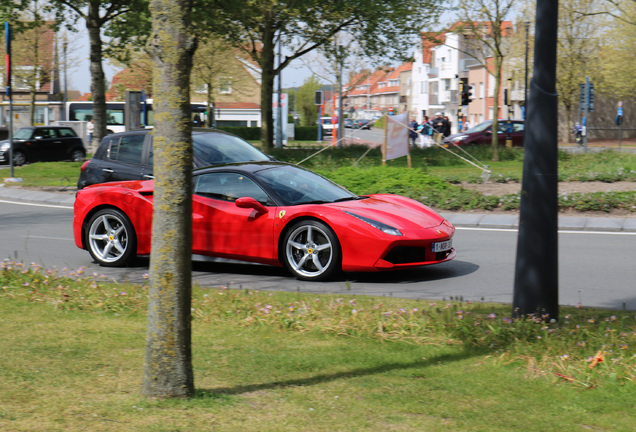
{"x":222,"y":229}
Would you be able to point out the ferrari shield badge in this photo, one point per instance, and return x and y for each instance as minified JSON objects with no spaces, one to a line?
{"x":281,"y":214}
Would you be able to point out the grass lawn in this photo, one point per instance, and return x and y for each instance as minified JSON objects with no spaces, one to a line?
{"x":72,"y":357}
{"x":432,"y":179}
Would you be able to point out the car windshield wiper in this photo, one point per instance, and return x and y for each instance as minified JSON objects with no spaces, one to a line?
{"x":313,"y":202}
{"x":353,"y":198}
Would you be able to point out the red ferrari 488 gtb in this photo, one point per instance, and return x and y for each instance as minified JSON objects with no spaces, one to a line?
{"x":272,"y":213}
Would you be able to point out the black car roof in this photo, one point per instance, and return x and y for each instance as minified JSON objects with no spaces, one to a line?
{"x":246,"y":167}
{"x":196,"y":131}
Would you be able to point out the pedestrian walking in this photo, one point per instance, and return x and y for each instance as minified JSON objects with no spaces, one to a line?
{"x":90,"y":129}
{"x":413,"y":135}
{"x":439,"y":127}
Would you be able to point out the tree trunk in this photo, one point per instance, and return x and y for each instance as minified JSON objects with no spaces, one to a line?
{"x":267,"y":90}
{"x":495,"y":109}
{"x":168,"y":363}
{"x":98,"y":88}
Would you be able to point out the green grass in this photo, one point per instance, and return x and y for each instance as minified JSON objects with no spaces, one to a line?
{"x":433,"y":177}
{"x":54,"y":174}
{"x":72,"y":350}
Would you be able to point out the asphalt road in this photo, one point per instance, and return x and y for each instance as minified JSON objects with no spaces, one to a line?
{"x":596,"y":269}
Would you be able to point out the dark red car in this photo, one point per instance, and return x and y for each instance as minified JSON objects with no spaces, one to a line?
{"x":482,"y":134}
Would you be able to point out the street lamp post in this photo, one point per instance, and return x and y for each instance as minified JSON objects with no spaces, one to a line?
{"x":64,"y":47}
{"x":525,"y":83}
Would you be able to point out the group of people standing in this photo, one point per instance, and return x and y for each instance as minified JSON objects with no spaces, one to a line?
{"x":431,"y":131}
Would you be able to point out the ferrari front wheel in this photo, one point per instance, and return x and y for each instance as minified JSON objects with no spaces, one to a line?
{"x":110,"y":238}
{"x":312,"y":251}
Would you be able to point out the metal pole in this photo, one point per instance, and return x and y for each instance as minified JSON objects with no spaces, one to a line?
{"x":319,"y":123}
{"x":340,"y":119}
{"x":64,"y":47}
{"x":586,"y":110}
{"x":525,"y":83}
{"x":7,"y":35}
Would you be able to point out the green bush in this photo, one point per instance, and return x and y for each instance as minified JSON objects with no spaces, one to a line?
{"x":412,"y":183}
{"x":247,"y":133}
{"x":306,"y":133}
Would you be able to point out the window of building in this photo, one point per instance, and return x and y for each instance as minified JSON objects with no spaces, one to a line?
{"x":225,"y":85}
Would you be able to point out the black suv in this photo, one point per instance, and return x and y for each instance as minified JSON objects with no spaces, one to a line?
{"x":40,"y":143}
{"x":129,"y":156}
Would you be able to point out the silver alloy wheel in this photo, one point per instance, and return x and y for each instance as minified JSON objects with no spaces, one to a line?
{"x":108,"y":238}
{"x":309,"y":251}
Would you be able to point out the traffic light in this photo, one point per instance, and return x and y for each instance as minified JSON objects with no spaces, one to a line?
{"x":466,"y":95}
{"x":591,"y":97}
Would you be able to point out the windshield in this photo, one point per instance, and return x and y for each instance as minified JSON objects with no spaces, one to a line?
{"x":218,"y":148}
{"x":294,"y":185}
{"x":480,"y":127}
{"x":23,"y":134}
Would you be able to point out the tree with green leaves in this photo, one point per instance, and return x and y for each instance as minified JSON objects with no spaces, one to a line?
{"x":33,"y":58}
{"x":260,"y":27}
{"x":578,"y":52}
{"x":484,"y":25}
{"x":216,"y":65}
{"x":168,"y":364}
{"x":617,"y":53}
{"x":305,"y":101}
{"x":97,"y":14}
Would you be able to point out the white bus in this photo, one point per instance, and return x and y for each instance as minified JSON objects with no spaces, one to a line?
{"x":230,"y":114}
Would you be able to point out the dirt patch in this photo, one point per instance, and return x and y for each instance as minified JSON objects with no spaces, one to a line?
{"x":498,"y":189}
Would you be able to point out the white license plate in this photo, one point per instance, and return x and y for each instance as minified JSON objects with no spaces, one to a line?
{"x":442,"y":246}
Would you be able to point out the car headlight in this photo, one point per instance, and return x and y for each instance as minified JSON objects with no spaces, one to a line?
{"x":459,"y":138}
{"x":387,"y":229}
{"x":5,"y":147}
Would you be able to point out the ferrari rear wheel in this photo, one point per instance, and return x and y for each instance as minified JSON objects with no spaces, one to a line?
{"x":312,"y":251}
{"x":110,"y":238}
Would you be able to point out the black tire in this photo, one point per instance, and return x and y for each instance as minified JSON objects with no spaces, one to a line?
{"x":78,"y":155}
{"x":311,"y":251}
{"x":110,"y":238}
{"x":19,"y":158}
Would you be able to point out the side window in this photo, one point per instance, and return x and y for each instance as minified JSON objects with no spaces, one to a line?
{"x":228,"y":187}
{"x":45,"y":133}
{"x":128,"y":149}
{"x":66,"y":133}
{"x":517,"y":127}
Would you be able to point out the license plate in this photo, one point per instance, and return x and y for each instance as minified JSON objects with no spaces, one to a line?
{"x":442,"y":246}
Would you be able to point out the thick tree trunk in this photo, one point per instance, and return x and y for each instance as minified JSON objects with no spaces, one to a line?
{"x":98,"y":87}
{"x":168,"y":364}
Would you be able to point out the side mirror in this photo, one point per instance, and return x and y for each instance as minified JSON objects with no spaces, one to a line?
{"x":249,"y":202}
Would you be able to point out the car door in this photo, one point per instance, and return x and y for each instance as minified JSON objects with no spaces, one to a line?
{"x":125,"y":158}
{"x":518,"y":131}
{"x":221,"y":228}
{"x":45,"y":144}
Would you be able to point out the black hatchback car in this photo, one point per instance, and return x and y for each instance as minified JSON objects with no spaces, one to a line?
{"x":129,"y":155}
{"x":43,"y":143}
